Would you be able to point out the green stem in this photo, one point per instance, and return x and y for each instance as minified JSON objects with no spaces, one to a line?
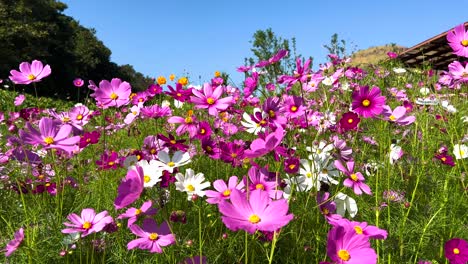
{"x":246,"y":253}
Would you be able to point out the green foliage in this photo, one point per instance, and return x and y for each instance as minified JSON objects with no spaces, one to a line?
{"x":38,"y":29}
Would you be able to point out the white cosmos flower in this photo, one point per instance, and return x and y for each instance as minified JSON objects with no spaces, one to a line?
{"x":395,"y":153}
{"x":322,"y":151}
{"x":345,"y":203}
{"x":165,"y":103}
{"x":178,"y":104}
{"x":252,"y":126}
{"x":460,"y":151}
{"x":191,"y":183}
{"x":399,"y":70}
{"x":450,"y":108}
{"x":152,"y":172}
{"x":424,"y":91}
{"x":179,"y":159}
{"x":327,"y":81}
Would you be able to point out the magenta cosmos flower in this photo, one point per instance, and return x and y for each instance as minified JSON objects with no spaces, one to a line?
{"x":398,"y":115}
{"x":223,"y":190}
{"x":257,"y":212}
{"x":210,"y":99}
{"x":51,"y":134}
{"x":30,"y":73}
{"x":458,"y":40}
{"x":114,"y":93}
{"x":349,"y":121}
{"x":13,"y":245}
{"x":456,"y":251}
{"x":151,"y":237}
{"x":368,"y":103}
{"x":133,"y":213}
{"x":355,"y":180}
{"x":88,"y":223}
{"x":344,"y":246}
{"x":131,"y":187}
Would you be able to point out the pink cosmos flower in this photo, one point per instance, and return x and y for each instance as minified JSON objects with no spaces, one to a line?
{"x":458,"y":71}
{"x":223,"y":191}
{"x":210,"y":99}
{"x":133,"y":213}
{"x":131,"y":187}
{"x":398,"y":115}
{"x":112,"y":94}
{"x":458,"y":40}
{"x":13,"y":245}
{"x":19,"y":99}
{"x":361,"y":228}
{"x":344,"y":246}
{"x":88,"y":223}
{"x":260,"y":147}
{"x":355,"y":180}
{"x":368,"y":103}
{"x":30,"y":72}
{"x":78,"y":82}
{"x":254,"y":212}
{"x":187,"y":124}
{"x":51,"y":134}
{"x":151,"y":237}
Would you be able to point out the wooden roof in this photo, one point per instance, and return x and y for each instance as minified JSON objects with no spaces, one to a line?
{"x":434,"y":51}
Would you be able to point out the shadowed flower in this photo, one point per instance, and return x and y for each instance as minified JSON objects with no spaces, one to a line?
{"x":151,"y":237}
{"x":13,"y":245}
{"x":19,"y":99}
{"x":88,"y":223}
{"x":253,"y":213}
{"x":30,"y":72}
{"x":130,"y":188}
{"x":78,"y":82}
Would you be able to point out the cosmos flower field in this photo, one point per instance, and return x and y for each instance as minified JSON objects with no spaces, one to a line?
{"x":344,"y":164}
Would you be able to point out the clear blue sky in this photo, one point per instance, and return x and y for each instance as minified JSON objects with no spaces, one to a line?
{"x":197,"y":37}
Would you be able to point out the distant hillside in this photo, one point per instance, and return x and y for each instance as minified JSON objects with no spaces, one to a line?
{"x":373,"y":55}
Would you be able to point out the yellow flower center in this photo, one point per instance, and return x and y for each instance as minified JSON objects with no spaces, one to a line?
{"x":350,"y":121}
{"x":462,"y":153}
{"x":464,"y":43}
{"x":188,"y":120}
{"x":354,"y":177}
{"x":171,"y":164}
{"x":173,"y":141}
{"x":153,"y":236}
{"x":226,"y":193}
{"x":309,"y":174}
{"x":233,"y":155}
{"x":49,"y":140}
{"x":325,"y":211}
{"x":358,"y":230}
{"x":190,"y":188}
{"x":254,"y":219}
{"x":66,"y":119}
{"x":111,"y":163}
{"x":292,"y":166}
{"x":259,"y":186}
{"x":79,"y":117}
{"x":178,"y":94}
{"x":366,"y":102}
{"x":31,"y":77}
{"x":271,"y":113}
{"x":293,"y":108}
{"x":87,"y":225}
{"x":114,"y":96}
{"x":137,"y":211}
{"x":392,"y":117}
{"x":456,"y":251}
{"x":202,"y":131}
{"x":88,"y":140}
{"x":343,"y":254}
{"x":208,"y":148}
{"x":443,"y":158}
{"x":210,"y":100}
{"x":134,"y":113}
{"x":153,"y":150}
{"x":146,"y":179}
{"x":138,"y":157}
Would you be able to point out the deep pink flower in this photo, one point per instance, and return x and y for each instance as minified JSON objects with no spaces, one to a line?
{"x":151,"y":237}
{"x":223,"y":191}
{"x":108,"y":160}
{"x":300,"y":74}
{"x":88,"y":223}
{"x":344,"y":246}
{"x":112,"y":94}
{"x":187,"y":124}
{"x":133,"y":213}
{"x":13,"y":245}
{"x":51,"y":134}
{"x":398,"y":115}
{"x":456,"y":251}
{"x":260,"y":147}
{"x":30,"y":72}
{"x":361,"y":228}
{"x":89,"y":138}
{"x":368,"y":103}
{"x":130,"y":188}
{"x":257,"y":212}
{"x":392,"y":55}
{"x":349,"y":121}
{"x":210,"y":99}
{"x":458,"y":40}
{"x":293,"y":106}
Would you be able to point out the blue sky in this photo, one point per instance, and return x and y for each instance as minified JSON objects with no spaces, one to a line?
{"x":196,"y":38}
